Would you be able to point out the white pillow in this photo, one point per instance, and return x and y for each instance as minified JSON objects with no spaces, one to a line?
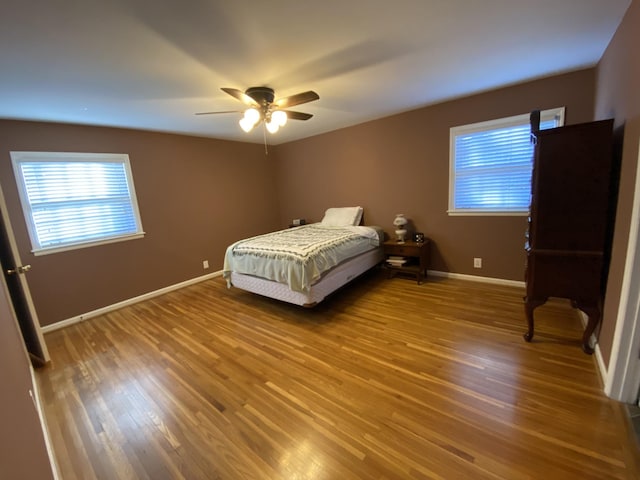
{"x":341,"y":217}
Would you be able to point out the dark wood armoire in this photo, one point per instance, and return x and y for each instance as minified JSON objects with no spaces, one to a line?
{"x":573,"y":197}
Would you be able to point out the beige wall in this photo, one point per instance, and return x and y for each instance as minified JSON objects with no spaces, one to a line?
{"x":195,"y":195}
{"x":400,"y":164}
{"x":618,"y":96}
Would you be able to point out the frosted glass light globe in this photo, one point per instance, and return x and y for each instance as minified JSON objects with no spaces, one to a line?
{"x":272,"y":126}
{"x":280,"y":117}
{"x":245,"y":124}
{"x":252,"y":115}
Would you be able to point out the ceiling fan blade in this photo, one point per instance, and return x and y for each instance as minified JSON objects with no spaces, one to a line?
{"x":213,"y":113}
{"x":240,"y":95}
{"x":298,"y":115}
{"x":297,"y":99}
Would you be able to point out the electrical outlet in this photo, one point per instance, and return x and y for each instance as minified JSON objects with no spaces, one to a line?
{"x":477,"y":263}
{"x":205,"y":264}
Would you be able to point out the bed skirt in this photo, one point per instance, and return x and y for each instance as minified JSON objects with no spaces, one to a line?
{"x":328,"y":283}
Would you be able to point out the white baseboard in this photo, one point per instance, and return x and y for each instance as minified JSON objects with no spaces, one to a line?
{"x":146,"y":296}
{"x":476,"y":278}
{"x":124,"y":303}
{"x":602,"y":368}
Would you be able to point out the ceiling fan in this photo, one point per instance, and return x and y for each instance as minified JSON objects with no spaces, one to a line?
{"x":264,"y":107}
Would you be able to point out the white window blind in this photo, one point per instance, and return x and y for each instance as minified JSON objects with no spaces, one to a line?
{"x":74,"y":200}
{"x":491,"y":162}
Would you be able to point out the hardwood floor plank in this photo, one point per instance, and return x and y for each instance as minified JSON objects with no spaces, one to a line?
{"x":387,"y":379}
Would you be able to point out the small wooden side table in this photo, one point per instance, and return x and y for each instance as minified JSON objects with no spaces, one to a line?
{"x":417,"y":255}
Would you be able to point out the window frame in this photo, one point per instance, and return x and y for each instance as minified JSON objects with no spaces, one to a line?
{"x":496,"y":124}
{"x":17,"y":158}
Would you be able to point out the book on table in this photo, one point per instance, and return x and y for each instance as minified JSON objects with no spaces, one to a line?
{"x":396,"y":261}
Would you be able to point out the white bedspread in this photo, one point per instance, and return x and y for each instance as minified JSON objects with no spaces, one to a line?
{"x":298,"y":256}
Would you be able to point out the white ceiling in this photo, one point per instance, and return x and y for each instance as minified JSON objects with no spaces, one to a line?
{"x":151,"y":64}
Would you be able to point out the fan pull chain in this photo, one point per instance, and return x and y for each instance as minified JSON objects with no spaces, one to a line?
{"x":264,"y":136}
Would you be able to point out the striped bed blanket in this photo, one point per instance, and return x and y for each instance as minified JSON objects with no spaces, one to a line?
{"x":298,"y":256}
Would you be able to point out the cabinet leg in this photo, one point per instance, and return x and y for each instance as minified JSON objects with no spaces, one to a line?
{"x":529,"y":306}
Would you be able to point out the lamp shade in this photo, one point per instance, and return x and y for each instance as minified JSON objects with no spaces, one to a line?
{"x":400,"y":220}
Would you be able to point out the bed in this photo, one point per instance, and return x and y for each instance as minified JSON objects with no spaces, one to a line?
{"x":304,"y":264}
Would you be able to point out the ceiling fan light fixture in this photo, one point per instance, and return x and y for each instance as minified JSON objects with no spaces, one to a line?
{"x":252,"y":115}
{"x":279,"y":117}
{"x":272,"y":125}
{"x":262,"y":106}
{"x":246,"y":124}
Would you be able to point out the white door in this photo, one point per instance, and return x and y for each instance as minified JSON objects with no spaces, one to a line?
{"x":623,"y":375}
{"x":15,"y":273}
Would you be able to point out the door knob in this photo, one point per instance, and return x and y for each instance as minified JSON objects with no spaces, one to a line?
{"x":20,"y":269}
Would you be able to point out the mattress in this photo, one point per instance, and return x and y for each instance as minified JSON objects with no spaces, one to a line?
{"x":327,"y":284}
{"x":299,"y":256}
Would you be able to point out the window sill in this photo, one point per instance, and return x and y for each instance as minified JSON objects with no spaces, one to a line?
{"x":66,"y":248}
{"x":485,"y":213}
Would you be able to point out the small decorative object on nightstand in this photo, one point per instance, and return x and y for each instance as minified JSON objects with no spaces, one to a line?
{"x":400,"y":221}
{"x":296,"y":222}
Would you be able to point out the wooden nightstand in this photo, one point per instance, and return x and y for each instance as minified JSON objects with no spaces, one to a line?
{"x":417,"y":255}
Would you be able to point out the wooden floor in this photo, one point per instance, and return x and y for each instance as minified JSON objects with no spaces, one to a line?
{"x":385,"y":380}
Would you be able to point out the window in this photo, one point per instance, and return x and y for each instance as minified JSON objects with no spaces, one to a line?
{"x":490,"y":165}
{"x":75,"y":200}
